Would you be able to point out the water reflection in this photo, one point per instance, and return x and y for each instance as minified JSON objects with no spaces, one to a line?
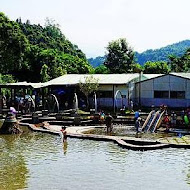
{"x":17,"y":152}
{"x":36,"y":161}
{"x":13,"y":169}
{"x":188,"y":174}
{"x":65,"y":147}
{"x":129,"y":131}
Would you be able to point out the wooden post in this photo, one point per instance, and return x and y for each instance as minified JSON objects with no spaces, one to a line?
{"x":114,"y":98}
{"x":1,"y":102}
{"x":43,"y":100}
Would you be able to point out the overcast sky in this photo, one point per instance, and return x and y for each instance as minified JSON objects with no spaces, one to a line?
{"x":91,"y":24}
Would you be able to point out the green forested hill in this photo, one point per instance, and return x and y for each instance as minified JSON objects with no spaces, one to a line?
{"x":95,"y":62}
{"x":177,"y":49}
{"x":35,"y":53}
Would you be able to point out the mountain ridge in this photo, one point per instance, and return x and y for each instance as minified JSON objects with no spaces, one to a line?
{"x":159,"y":54}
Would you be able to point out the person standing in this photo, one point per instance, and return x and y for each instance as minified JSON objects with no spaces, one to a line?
{"x":138,"y":124}
{"x":109,"y":121}
{"x":13,"y":111}
{"x":173,"y":119}
{"x":102,"y":117}
{"x":64,"y":132}
{"x":166,"y":122}
{"x":137,"y":114}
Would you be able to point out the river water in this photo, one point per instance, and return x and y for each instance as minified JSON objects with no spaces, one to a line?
{"x":42,"y":161}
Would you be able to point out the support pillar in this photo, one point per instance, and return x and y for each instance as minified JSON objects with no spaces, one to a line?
{"x":43,"y":98}
{"x":1,"y":102}
{"x":114,"y":98}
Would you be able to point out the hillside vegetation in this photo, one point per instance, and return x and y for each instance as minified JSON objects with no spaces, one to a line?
{"x":162,"y":54}
{"x":35,"y":53}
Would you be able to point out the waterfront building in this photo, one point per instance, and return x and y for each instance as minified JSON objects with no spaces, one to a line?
{"x":115,"y":90}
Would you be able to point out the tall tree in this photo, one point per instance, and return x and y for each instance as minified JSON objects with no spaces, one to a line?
{"x":89,"y":86}
{"x":44,"y":73}
{"x":180,"y":64}
{"x":159,"y":67}
{"x":119,"y":58}
{"x":187,"y":60}
{"x":6,"y":79}
{"x":136,"y":68}
{"x":102,"y":69}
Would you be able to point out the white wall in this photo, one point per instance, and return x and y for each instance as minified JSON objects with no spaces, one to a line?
{"x":122,"y":88}
{"x":163,"y":83}
{"x":108,"y":102}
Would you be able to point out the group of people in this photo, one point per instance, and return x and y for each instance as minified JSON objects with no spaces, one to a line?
{"x":169,"y":120}
{"x":108,"y":119}
{"x":25,"y":105}
{"x":174,"y":119}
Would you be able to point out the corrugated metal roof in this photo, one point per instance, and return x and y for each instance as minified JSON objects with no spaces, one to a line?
{"x":183,"y":75}
{"x":72,"y":79}
{"x":36,"y":85}
{"x":22,"y":84}
{"x":149,"y":76}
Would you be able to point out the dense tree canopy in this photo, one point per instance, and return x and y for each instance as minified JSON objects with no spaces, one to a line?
{"x":13,"y":46}
{"x":6,"y":79}
{"x":36,"y":53}
{"x":174,"y":63}
{"x":120,"y":56}
{"x":102,"y":69}
{"x":159,"y":67}
{"x":26,"y":47}
{"x":180,"y":64}
{"x":162,"y":54}
{"x":44,"y":73}
{"x":137,"y":68}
